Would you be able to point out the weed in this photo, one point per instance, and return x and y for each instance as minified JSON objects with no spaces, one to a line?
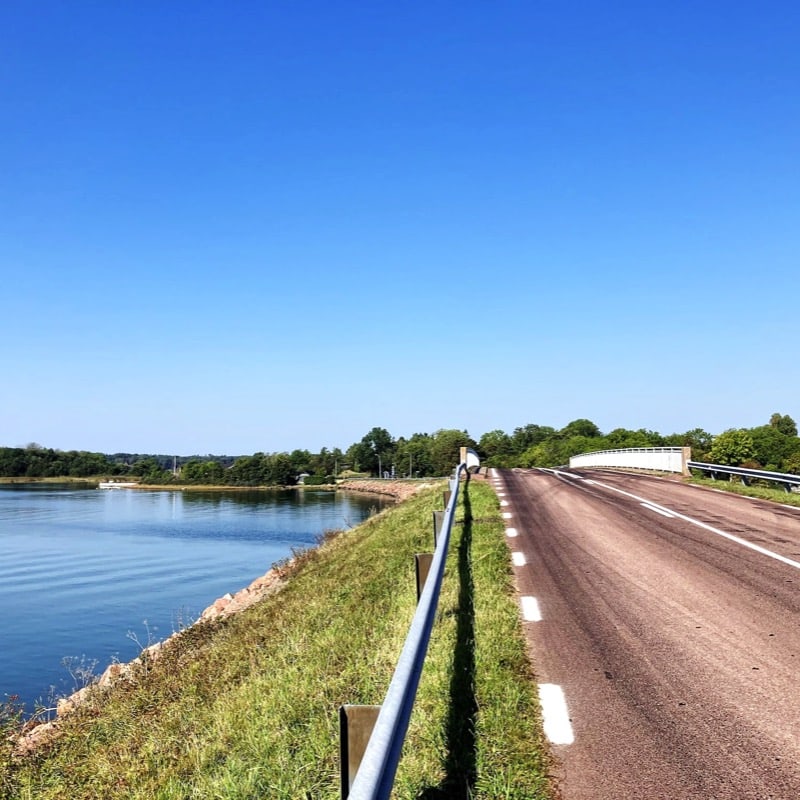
{"x":81,"y":670}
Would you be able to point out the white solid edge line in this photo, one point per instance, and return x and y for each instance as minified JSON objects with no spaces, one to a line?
{"x":511,"y":533}
{"x":530,"y":609}
{"x":557,"y":726}
{"x":518,"y":558}
{"x":657,"y":510}
{"x":710,"y":528}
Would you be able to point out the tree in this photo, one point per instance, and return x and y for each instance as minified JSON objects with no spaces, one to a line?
{"x":249,"y":471}
{"x":495,"y":447}
{"x":413,"y":456}
{"x":699,"y":440}
{"x":621,"y":438}
{"x":771,"y":446}
{"x":374,"y":453}
{"x":792,"y":464}
{"x":301,"y":461}
{"x":527,"y":436}
{"x":281,"y":470}
{"x":445,"y":449}
{"x":150,"y":471}
{"x":732,"y":447}
{"x":580,"y":427}
{"x":210,"y":473}
{"x":327,"y":462}
{"x":547,"y":453}
{"x":785,"y":424}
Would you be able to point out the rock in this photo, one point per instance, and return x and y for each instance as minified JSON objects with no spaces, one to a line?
{"x":221,"y":603}
{"x":113,"y":673}
{"x":66,"y":705}
{"x":34,"y":738}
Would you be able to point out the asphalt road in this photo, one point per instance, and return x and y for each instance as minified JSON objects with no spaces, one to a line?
{"x":667,"y":617}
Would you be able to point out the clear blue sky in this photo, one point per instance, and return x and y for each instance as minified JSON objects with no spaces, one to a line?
{"x":243,"y":226}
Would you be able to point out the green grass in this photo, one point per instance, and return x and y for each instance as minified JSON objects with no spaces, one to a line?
{"x":247,"y":707}
{"x":763,"y":492}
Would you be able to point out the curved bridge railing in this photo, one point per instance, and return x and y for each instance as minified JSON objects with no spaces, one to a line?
{"x":661,"y":459}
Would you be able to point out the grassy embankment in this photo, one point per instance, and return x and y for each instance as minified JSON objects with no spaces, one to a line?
{"x":246,"y":707}
{"x":775,"y":495}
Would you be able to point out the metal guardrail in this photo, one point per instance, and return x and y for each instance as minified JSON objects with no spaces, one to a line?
{"x":376,"y":771}
{"x":747,"y":474}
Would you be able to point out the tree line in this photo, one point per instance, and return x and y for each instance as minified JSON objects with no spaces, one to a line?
{"x":773,"y":446}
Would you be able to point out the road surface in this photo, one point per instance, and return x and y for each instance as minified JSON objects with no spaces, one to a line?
{"x":664,"y":626}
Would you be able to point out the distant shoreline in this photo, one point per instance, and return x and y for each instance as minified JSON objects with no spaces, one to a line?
{"x":399,"y":489}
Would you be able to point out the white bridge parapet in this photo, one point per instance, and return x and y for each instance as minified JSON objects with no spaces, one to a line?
{"x":661,"y":459}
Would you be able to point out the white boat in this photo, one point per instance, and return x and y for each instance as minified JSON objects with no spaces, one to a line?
{"x":116,"y":485}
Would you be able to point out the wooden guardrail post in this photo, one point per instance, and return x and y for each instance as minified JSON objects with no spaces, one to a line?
{"x":422,"y":563}
{"x":355,"y":728}
{"x":438,"y":518}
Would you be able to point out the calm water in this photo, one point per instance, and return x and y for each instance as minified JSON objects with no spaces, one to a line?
{"x":84,"y":570}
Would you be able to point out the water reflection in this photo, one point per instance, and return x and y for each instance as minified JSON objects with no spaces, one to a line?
{"x":80,"y":567}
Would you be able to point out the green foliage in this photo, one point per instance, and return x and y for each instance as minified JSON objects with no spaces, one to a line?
{"x":35,"y":461}
{"x":771,"y":446}
{"x":281,"y":470}
{"x":261,"y":469}
{"x":208,"y":473}
{"x":301,"y":461}
{"x":374,"y":453}
{"x":732,"y":447}
{"x":580,"y":427}
{"x":529,"y":436}
{"x":495,"y":448}
{"x":149,"y":470}
{"x":783,"y":423}
{"x":791,"y":466}
{"x":413,"y":456}
{"x":699,"y":440}
{"x":327,"y":462}
{"x":445,"y":449}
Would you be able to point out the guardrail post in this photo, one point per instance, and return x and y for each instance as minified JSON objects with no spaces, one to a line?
{"x":438,"y":518}
{"x":355,"y":728}
{"x":446,"y":495}
{"x":422,"y":563}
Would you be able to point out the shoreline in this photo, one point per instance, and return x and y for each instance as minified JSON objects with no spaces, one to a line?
{"x":399,"y":488}
{"x":32,"y":736}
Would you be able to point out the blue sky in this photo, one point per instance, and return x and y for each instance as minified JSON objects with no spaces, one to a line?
{"x":256,"y":226}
